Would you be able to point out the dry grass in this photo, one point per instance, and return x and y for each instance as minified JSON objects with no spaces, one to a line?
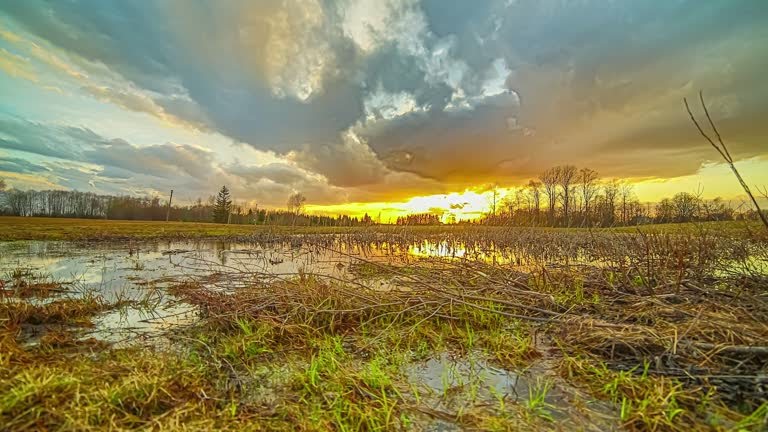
{"x":662,"y":331}
{"x":14,"y":228}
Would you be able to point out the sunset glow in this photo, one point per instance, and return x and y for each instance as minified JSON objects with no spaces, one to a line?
{"x":465,"y":205}
{"x":384,"y":108}
{"x":710,"y":182}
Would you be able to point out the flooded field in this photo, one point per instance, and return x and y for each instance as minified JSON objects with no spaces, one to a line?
{"x":512,"y":329}
{"x":137,"y":274}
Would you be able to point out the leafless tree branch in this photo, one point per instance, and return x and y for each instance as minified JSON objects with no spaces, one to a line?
{"x":723,"y":150}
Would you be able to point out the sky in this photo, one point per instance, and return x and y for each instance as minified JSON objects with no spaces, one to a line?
{"x":377,"y":106}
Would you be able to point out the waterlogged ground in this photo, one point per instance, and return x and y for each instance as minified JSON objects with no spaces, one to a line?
{"x":139,"y":271}
{"x":507,"y":330}
{"x":450,"y":383}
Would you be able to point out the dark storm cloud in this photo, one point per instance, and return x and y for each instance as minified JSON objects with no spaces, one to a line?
{"x":580,"y":69}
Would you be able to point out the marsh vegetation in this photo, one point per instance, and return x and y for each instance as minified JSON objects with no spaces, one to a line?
{"x":389,"y":329}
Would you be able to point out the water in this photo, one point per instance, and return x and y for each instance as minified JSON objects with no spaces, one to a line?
{"x":138,"y":272}
{"x":114,"y":269}
{"x":451,"y":383}
{"x":125,"y":270}
{"x":445,"y":375}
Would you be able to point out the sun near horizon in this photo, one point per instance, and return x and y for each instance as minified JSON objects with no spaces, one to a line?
{"x":371,"y":107}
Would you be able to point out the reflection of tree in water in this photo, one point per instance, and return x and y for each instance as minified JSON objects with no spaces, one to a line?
{"x":221,"y":249}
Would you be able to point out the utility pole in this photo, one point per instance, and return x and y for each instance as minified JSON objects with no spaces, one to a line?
{"x":168,"y":211}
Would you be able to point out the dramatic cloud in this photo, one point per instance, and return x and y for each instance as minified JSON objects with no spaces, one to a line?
{"x":369,"y":100}
{"x":78,"y":158}
{"x":19,"y":166}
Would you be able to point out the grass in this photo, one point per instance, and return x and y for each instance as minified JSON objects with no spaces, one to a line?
{"x":23,"y":282}
{"x":23,"y":228}
{"x":63,"y":311}
{"x":537,"y":399}
{"x":14,"y":228}
{"x":658,"y":403}
{"x":659,"y":332}
{"x":340,"y":373}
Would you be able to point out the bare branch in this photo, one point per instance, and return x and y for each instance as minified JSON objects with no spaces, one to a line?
{"x":723,"y":150}
{"x":714,"y":128}
{"x":701,"y":131}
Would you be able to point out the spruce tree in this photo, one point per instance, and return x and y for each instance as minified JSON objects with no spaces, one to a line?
{"x":223,"y":206}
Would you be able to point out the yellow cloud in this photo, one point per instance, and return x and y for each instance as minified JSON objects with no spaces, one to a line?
{"x":715,"y":180}
{"x":54,"y":61}
{"x":10,"y":37}
{"x":128,"y":98}
{"x":14,"y":179}
{"x":712,"y":181}
{"x":16,"y":66}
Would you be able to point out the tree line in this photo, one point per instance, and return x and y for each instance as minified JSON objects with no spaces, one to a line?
{"x":567,"y":196}
{"x":419,"y":219}
{"x":562,"y":196}
{"x":220,"y":208}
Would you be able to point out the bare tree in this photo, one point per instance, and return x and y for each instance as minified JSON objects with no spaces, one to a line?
{"x":566,"y":176}
{"x":610,"y":191}
{"x":549,"y":179}
{"x":296,"y":203}
{"x":587,"y":181}
{"x":626,"y":196}
{"x":494,"y":198}
{"x":723,"y":150}
{"x":168,"y":211}
{"x":686,"y":206}
{"x":535,"y":189}
{"x":3,"y":199}
{"x":521,"y":196}
{"x":763,"y":192}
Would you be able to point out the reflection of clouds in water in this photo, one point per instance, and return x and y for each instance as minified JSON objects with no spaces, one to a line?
{"x":99,"y":264}
{"x":124,"y":324}
{"x":124,"y":271}
{"x":119,"y":269}
{"x":441,"y":373}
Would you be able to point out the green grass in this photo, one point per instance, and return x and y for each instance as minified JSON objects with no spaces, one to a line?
{"x":657,"y":403}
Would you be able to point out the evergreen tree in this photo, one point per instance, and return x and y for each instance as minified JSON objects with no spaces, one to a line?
{"x":223,"y":206}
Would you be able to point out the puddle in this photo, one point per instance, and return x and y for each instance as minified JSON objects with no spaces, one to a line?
{"x":450,"y":384}
{"x":131,"y":324}
{"x":114,"y":270}
{"x":444,"y":375}
{"x":137,"y":273}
